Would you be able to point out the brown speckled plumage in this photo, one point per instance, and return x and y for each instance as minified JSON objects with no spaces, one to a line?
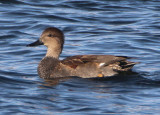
{"x":85,"y":66}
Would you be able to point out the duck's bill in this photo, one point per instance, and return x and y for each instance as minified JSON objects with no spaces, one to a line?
{"x":36,"y":43}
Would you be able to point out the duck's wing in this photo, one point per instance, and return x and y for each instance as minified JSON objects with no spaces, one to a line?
{"x":101,"y":60}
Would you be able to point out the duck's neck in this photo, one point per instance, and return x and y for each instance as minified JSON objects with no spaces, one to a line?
{"x":52,"y":52}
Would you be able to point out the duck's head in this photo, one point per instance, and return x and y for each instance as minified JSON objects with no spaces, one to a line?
{"x":53,"y":39}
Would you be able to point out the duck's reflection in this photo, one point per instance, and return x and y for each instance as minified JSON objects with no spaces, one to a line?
{"x":130,"y":75}
{"x":55,"y":81}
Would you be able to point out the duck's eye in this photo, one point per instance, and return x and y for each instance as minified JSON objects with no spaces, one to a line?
{"x":50,"y":35}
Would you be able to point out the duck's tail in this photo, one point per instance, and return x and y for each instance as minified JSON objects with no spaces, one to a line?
{"x":123,"y":65}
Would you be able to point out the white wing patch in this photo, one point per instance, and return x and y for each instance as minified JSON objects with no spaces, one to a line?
{"x":101,"y":64}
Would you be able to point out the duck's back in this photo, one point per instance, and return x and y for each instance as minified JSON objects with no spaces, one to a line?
{"x":89,"y":66}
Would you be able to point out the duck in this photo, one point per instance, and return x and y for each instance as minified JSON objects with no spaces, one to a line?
{"x":84,"y":66}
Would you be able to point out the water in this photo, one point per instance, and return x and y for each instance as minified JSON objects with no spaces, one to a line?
{"x":118,"y":27}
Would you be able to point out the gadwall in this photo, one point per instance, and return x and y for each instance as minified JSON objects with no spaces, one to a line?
{"x":85,"y":66}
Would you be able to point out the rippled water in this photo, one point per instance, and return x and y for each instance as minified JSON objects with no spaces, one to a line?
{"x":118,"y":27}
